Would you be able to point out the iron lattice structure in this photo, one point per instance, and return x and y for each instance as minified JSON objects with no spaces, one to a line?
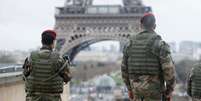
{"x":80,"y":23}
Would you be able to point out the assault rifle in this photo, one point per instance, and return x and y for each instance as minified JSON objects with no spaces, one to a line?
{"x":163,"y":87}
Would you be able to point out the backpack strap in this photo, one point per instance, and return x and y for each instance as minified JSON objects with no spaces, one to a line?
{"x":57,"y":73}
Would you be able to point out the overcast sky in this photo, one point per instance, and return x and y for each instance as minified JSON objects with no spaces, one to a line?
{"x":22,"y":21}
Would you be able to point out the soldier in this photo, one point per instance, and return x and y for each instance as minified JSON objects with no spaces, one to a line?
{"x":194,"y":84}
{"x":147,"y":67}
{"x":45,"y":71}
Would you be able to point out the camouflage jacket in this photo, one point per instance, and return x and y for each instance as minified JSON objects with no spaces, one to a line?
{"x":65,"y":73}
{"x":147,"y":85}
{"x":193,"y":83}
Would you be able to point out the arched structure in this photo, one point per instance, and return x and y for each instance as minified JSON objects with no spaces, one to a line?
{"x":80,"y":24}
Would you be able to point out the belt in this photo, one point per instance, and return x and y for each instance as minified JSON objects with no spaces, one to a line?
{"x":48,"y":94}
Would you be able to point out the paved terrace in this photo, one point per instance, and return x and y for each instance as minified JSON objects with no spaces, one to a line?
{"x":12,"y":87}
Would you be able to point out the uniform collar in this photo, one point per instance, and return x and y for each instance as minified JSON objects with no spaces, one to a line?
{"x":147,"y":31}
{"x":45,"y":47}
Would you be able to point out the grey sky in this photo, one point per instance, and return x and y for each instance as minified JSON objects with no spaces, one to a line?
{"x":22,"y":21}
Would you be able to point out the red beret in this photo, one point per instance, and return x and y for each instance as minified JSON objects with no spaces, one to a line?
{"x":148,"y":14}
{"x":51,"y":32}
{"x":145,"y":15}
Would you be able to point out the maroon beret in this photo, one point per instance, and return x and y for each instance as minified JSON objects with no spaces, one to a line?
{"x":51,"y":32}
{"x":146,"y":15}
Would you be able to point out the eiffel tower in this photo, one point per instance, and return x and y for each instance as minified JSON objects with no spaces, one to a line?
{"x":80,"y":23}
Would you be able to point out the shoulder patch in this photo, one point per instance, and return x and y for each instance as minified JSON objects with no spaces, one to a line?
{"x":164,"y":46}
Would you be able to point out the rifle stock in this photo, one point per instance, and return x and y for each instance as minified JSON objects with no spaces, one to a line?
{"x":163,"y":87}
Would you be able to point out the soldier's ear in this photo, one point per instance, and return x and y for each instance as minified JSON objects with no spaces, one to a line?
{"x":154,"y":26}
{"x":53,"y":44}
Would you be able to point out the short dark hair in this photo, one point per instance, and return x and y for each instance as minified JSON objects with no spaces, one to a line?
{"x":47,"y":38}
{"x":148,"y":21}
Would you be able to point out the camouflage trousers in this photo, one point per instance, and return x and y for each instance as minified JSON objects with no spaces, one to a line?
{"x":195,"y":99}
{"x":43,"y":97}
{"x":142,"y":93}
{"x":144,"y":99}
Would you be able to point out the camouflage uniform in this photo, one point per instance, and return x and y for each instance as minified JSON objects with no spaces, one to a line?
{"x":194,"y":84}
{"x":44,"y":75}
{"x":148,"y":87}
{"x":196,"y":99}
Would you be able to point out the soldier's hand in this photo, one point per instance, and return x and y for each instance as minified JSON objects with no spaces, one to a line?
{"x":130,"y":94}
{"x":65,"y":57}
{"x":168,"y":97}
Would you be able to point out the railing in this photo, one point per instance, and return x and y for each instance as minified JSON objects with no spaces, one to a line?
{"x":11,"y":68}
{"x":102,"y":9}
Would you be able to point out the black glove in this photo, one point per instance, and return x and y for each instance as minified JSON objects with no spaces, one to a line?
{"x":66,"y":58}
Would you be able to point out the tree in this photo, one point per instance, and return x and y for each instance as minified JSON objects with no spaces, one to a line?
{"x":7,"y":59}
{"x":183,"y":69}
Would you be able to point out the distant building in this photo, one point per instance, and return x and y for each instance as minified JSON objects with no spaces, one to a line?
{"x":188,"y":47}
{"x":105,"y":83}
